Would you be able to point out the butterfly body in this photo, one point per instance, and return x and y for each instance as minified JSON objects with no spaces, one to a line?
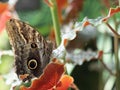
{"x":32,"y":52}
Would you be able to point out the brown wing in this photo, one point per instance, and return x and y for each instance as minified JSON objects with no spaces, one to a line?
{"x":32,"y":52}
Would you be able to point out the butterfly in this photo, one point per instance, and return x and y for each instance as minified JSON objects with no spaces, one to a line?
{"x":31,"y":51}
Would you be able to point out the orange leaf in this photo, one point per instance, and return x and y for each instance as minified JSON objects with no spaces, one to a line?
{"x":65,"y":42}
{"x":22,"y":77}
{"x":48,"y":79}
{"x":100,"y":54}
{"x":86,"y":23}
{"x":112,"y":11}
{"x":3,"y":7}
{"x":66,"y":81}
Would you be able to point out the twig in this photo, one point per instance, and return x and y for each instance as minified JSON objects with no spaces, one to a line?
{"x":105,"y":66}
{"x":114,"y":32}
{"x":74,"y":87}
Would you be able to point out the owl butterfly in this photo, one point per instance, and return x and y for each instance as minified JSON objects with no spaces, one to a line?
{"x":31,"y":51}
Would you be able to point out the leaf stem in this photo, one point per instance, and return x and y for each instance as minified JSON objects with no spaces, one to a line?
{"x":56,"y":23}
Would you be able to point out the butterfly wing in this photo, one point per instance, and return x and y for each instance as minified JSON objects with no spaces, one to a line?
{"x":32,"y":51}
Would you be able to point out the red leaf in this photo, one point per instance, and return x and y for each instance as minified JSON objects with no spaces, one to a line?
{"x":61,"y":5}
{"x":48,"y":79}
{"x":73,"y":10}
{"x":3,"y":18}
{"x":66,"y":81}
{"x":52,"y":35}
{"x":4,"y":15}
{"x":112,"y":11}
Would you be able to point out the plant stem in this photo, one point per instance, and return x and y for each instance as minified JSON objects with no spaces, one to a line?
{"x":116,"y":49}
{"x":117,"y":63}
{"x":119,"y":2}
{"x":56,"y":23}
